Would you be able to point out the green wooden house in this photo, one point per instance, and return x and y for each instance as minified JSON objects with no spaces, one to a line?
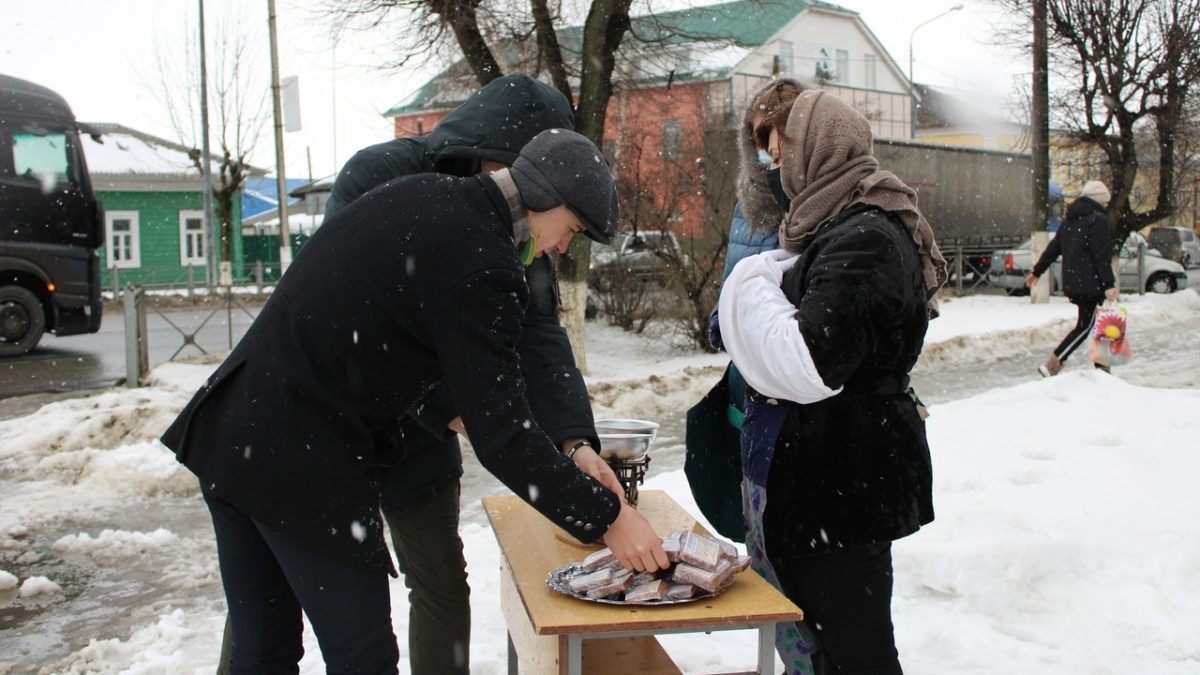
{"x":153,"y":198}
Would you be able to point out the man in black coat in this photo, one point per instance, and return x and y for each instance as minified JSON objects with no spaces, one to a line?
{"x":417,"y":283}
{"x":420,"y":498}
{"x":1085,"y":244}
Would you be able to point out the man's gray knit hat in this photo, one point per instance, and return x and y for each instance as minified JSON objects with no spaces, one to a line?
{"x":562,"y":167}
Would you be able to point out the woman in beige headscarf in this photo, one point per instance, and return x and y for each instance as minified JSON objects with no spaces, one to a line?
{"x":827,"y":329}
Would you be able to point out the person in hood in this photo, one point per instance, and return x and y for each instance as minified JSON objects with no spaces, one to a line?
{"x":420,"y":497}
{"x":417,"y":284}
{"x":825,"y":331}
{"x":754,"y":229}
{"x":1085,"y":244}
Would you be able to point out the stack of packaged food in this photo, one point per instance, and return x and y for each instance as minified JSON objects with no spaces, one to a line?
{"x":701,"y":566}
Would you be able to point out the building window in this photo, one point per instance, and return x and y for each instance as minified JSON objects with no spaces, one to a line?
{"x":122,"y":242}
{"x":843,"y":66}
{"x":823,"y":70}
{"x":191,"y":238}
{"x":869,"y":71}
{"x":787,"y":56}
{"x":671,"y":134}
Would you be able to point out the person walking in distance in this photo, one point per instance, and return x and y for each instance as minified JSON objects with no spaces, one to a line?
{"x":1084,"y":243}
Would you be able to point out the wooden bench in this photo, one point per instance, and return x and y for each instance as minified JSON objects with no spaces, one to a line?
{"x":551,"y":633}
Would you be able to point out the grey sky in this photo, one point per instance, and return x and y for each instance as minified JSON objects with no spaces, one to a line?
{"x":99,"y":56}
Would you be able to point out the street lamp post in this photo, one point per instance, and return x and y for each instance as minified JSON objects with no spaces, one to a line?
{"x":912,"y":90}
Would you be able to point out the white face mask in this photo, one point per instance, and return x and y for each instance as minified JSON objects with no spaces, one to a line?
{"x":764,"y":157}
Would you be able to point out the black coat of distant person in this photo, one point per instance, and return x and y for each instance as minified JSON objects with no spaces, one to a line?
{"x":1085,"y":244}
{"x":492,"y":124}
{"x":414,"y":284}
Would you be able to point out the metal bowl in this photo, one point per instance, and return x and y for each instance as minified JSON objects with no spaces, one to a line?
{"x":625,"y":439}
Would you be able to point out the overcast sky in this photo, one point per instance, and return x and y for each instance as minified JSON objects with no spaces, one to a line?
{"x":101,"y":57}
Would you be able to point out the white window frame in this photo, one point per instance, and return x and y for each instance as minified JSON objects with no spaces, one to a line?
{"x":842,"y":58}
{"x":134,"y":235}
{"x":787,"y":56}
{"x":869,"y":71}
{"x":184,"y":233}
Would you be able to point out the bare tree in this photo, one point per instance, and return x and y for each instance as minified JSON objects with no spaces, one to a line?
{"x":239,"y":97}
{"x":1127,"y":72}
{"x":509,"y":35}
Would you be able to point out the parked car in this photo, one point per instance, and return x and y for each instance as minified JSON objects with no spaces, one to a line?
{"x":1176,"y":243}
{"x":1009,"y":267}
{"x":642,"y":255}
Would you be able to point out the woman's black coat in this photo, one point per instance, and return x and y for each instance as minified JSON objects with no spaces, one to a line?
{"x":413,"y":284}
{"x":854,"y":469}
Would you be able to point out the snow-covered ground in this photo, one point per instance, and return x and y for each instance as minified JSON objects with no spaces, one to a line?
{"x":1066,"y":538}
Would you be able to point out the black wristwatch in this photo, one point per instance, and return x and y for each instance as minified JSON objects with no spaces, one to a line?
{"x":579,"y":444}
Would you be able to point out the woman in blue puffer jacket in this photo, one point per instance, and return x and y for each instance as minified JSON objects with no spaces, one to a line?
{"x":757,"y":215}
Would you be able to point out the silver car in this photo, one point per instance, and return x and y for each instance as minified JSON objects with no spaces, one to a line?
{"x":1177,"y":243}
{"x":1009,"y":267}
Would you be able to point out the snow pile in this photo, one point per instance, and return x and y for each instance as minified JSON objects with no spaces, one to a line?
{"x":101,"y":446}
{"x":112,"y":544}
{"x":177,"y":642}
{"x":1065,"y":539}
{"x":38,"y":586}
{"x":955,"y":337}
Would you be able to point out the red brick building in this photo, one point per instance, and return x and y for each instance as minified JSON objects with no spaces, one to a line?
{"x":675,"y":98}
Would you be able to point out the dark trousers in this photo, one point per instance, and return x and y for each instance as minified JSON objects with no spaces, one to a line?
{"x":1083,"y":326}
{"x":269,"y":581}
{"x":846,"y":597}
{"x":430,"y":555}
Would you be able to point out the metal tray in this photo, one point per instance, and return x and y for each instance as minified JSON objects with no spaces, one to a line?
{"x":560,"y":579}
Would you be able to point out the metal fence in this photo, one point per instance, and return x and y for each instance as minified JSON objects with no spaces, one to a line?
{"x":137,"y":337}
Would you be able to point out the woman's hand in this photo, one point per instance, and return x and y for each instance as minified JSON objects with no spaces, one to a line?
{"x":634,"y":542}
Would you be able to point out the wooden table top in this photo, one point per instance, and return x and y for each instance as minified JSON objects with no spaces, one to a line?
{"x":533,"y":547}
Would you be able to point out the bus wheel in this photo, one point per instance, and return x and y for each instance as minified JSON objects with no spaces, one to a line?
{"x":22,"y":321}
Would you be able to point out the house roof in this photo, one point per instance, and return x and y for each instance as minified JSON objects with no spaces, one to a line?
{"x":319,"y":185}
{"x":262,"y":194}
{"x":942,"y":108}
{"x":738,"y":26}
{"x":130,"y":159}
{"x":745,"y":23}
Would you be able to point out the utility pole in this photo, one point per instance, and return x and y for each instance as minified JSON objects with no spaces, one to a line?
{"x":1040,"y":133}
{"x":285,"y":239}
{"x":210,"y":240}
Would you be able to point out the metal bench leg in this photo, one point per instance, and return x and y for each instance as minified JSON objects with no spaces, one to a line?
{"x":512,"y":657}
{"x":766,"y":648}
{"x":574,"y":655}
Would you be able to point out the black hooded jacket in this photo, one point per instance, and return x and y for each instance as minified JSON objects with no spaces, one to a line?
{"x":493,"y":124}
{"x":1085,"y":244}
{"x":414,"y":285}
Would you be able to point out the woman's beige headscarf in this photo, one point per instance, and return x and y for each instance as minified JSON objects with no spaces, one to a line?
{"x":827,"y":166}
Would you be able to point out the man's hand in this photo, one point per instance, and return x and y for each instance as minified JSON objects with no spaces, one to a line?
{"x":590,"y":463}
{"x":1031,"y":280}
{"x":456,"y":425}
{"x":1112,"y":293}
{"x":634,"y":542}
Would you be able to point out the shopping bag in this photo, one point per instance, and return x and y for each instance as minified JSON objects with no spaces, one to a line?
{"x":713,"y":461}
{"x":1110,"y":335}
